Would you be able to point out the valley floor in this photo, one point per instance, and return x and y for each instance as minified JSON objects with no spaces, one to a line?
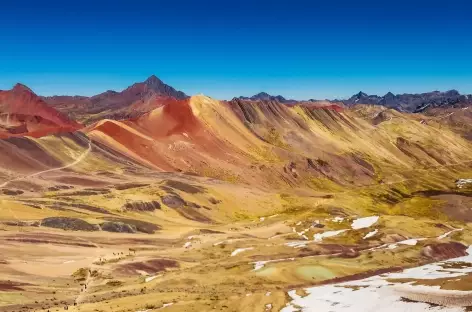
{"x":265,"y":259}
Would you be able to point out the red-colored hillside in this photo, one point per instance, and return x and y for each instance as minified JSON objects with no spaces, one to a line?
{"x":22,"y":113}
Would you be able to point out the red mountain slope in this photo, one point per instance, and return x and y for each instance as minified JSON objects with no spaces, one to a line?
{"x":22,"y":113}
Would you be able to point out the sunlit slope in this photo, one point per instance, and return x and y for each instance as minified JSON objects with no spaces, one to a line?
{"x":261,"y":141}
{"x":46,"y":160}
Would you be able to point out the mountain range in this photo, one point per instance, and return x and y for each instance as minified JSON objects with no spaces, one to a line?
{"x":405,"y":102}
{"x":134,"y":100}
{"x":412,"y":102}
{"x":124,"y":201}
{"x":142,"y":97}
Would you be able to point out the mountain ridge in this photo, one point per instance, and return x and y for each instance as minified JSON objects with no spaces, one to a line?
{"x":412,"y":102}
{"x":22,"y":112}
{"x":141,"y":97}
{"x":407,"y":102}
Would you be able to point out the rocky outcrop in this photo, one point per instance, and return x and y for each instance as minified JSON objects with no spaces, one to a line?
{"x":142,"y":206}
{"x":184,"y":187}
{"x":73,"y":224}
{"x":11,"y":192}
{"x":126,"y":186}
{"x":381,"y":117}
{"x":151,"y":266}
{"x":118,"y":227}
{"x":141,"y":226}
{"x":22,"y":223}
{"x":444,"y":251}
{"x":59,"y":188}
{"x":173,"y":201}
{"x":214,"y":201}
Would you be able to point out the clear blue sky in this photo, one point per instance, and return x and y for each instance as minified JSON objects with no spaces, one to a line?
{"x":299,"y":49}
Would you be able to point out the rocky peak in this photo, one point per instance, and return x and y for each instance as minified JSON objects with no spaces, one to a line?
{"x":158,"y":86}
{"x":19,"y":87}
{"x":261,"y":95}
{"x":361,"y":95}
{"x":153,"y":81}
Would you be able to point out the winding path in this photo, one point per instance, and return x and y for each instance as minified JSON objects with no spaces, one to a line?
{"x":78,"y":160}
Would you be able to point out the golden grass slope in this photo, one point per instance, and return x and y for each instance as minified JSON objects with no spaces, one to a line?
{"x":222,"y":177}
{"x":254,"y":142}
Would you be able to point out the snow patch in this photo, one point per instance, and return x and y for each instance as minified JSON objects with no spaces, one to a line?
{"x":187,"y":245}
{"x":150,"y":278}
{"x":379,"y":293}
{"x":463,"y":182}
{"x":296,"y":244}
{"x":166,"y":305}
{"x":370,"y":234}
{"x":364,"y":222}
{"x":239,"y":250}
{"x":409,"y":242}
{"x":318,"y":237}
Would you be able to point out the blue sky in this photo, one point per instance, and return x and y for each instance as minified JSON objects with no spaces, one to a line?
{"x":299,"y":49}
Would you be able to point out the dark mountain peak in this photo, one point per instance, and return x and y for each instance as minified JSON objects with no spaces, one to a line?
{"x":153,"y":81}
{"x":110,"y":92}
{"x":158,"y":86}
{"x":452,"y":93}
{"x":19,"y":87}
{"x":416,"y":102}
{"x":362,"y":98}
{"x":361,"y":94}
{"x":261,"y":94}
{"x":266,"y":96}
{"x":280,"y":98}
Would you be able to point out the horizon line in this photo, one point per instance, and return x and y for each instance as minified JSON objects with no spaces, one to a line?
{"x":70,"y":94}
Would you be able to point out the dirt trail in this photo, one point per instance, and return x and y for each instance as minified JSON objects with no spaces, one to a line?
{"x":89,"y":280}
{"x":78,"y":160}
